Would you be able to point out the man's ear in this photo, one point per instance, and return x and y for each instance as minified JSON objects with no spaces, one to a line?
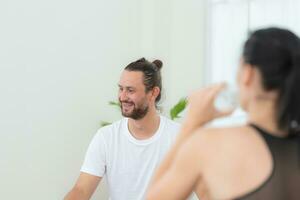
{"x":155,"y":92}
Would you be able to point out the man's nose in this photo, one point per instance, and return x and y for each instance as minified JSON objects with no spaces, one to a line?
{"x":122,"y":96}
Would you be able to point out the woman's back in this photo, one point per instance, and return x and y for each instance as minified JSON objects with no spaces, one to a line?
{"x":248,"y":163}
{"x":285,"y":178}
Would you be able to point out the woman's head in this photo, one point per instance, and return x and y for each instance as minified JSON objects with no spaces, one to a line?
{"x":275,"y":54}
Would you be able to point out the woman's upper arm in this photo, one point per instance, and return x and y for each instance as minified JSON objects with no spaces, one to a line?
{"x":180,"y":180}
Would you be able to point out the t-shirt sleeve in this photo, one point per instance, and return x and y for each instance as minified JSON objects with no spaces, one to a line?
{"x":95,"y":158}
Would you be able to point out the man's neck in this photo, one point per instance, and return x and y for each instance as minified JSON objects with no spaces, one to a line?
{"x":146,"y":127}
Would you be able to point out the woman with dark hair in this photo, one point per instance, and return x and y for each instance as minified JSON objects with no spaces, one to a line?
{"x":259,"y":160}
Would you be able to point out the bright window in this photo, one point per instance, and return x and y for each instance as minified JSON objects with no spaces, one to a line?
{"x":229,"y":22}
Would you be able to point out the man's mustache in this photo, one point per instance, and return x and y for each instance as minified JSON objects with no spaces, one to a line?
{"x":126,"y":102}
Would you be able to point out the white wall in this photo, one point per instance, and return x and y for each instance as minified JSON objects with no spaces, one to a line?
{"x":59,"y":66}
{"x":174,"y":31}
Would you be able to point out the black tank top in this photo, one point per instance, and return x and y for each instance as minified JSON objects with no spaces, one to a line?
{"x":284,"y":181}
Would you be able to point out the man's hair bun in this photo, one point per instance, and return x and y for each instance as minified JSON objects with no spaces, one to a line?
{"x":158,"y":64}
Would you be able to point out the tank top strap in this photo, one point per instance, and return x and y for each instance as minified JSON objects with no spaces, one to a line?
{"x":267,"y":136}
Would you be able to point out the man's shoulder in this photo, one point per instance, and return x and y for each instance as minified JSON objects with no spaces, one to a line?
{"x":170,"y":127}
{"x":112,"y":129}
{"x":170,"y":123}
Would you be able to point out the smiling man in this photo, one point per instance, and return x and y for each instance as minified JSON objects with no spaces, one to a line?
{"x":128,"y":151}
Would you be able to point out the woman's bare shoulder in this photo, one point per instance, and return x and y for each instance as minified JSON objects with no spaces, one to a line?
{"x":232,"y":142}
{"x":226,"y":134}
{"x":227,"y":154}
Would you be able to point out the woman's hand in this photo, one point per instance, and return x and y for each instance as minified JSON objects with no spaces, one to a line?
{"x":201,"y":107}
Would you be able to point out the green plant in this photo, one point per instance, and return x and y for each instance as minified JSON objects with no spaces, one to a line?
{"x":111,"y":103}
{"x":114,"y":103}
{"x":174,"y":111}
{"x":178,"y":108}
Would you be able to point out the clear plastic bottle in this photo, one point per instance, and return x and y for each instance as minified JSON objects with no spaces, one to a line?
{"x":227,"y":99}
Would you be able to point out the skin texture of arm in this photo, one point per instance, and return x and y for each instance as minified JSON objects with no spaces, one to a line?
{"x":84,"y":187}
{"x":181,"y":177}
{"x":216,"y":163}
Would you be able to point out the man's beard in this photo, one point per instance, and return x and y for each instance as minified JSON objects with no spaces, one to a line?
{"x":138,"y":112}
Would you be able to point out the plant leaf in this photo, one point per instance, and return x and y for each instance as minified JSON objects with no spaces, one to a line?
{"x":114,"y":103}
{"x":178,"y":108}
{"x":103,"y":123}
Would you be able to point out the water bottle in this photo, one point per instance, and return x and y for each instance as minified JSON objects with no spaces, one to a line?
{"x":227,"y":99}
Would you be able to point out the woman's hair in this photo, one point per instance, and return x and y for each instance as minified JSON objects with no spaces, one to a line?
{"x":151,"y":73}
{"x":275,"y":53}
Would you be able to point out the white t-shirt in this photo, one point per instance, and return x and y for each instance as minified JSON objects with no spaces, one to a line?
{"x":128,"y":163}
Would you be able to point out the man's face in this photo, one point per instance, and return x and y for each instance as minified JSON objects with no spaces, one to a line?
{"x":132,"y":95}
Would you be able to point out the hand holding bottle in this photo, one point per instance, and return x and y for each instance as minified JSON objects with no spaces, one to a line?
{"x":204,"y":104}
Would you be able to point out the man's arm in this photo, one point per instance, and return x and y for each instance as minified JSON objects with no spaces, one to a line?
{"x":84,"y":187}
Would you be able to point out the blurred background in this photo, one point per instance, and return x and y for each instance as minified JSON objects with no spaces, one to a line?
{"x":60,"y":63}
